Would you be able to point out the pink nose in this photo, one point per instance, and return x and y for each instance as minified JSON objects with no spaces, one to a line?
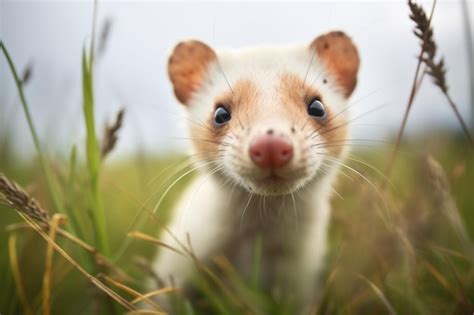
{"x":270,"y":150}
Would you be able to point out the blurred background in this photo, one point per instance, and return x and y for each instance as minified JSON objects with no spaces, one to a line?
{"x":131,"y":68}
{"x":400,"y":249}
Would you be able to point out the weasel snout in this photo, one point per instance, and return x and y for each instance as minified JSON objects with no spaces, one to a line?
{"x":271,"y":150}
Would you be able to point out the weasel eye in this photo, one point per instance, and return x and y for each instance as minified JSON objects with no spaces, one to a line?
{"x":316,"y":109}
{"x":221,"y":115}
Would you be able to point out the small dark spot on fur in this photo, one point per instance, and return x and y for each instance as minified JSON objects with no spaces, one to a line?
{"x":293,"y":130}
{"x":325,"y":81}
{"x":270,"y":131}
{"x":326,"y":45}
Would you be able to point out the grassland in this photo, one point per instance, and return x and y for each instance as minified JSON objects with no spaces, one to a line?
{"x":86,"y":246}
{"x":405,"y":251}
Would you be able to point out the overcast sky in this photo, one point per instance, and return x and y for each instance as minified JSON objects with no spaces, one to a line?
{"x":132,"y":71}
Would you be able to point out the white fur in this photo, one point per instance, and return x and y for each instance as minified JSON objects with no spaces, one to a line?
{"x":212,"y":208}
{"x":263,"y":65}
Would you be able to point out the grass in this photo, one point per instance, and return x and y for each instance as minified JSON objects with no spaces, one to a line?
{"x":405,"y":249}
{"x":418,"y":264}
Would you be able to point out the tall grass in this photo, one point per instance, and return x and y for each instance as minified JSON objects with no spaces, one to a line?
{"x":428,"y":63}
{"x":55,"y":194}
{"x":416,"y":258}
{"x":93,"y":153}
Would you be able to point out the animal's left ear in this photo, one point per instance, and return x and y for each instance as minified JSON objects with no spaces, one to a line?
{"x":187,"y":67}
{"x":341,"y":58}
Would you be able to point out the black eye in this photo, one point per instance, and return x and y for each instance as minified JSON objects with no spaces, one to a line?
{"x":221,"y":115}
{"x":316,"y":109}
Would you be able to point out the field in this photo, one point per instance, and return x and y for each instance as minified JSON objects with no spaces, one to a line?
{"x":406,"y":251}
{"x":78,"y":232}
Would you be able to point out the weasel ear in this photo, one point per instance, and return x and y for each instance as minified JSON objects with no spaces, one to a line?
{"x":340,"y":55}
{"x":187,"y":67}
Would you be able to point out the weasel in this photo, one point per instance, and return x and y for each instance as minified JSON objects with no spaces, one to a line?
{"x":268,"y":127}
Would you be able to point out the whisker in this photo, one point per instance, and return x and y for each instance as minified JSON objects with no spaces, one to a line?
{"x":321,"y":72}
{"x":339,"y":171}
{"x":185,"y":164}
{"x":176,"y":181}
{"x":143,"y":206}
{"x":182,"y":165}
{"x":264,"y":206}
{"x":309,"y":67}
{"x":365,"y":163}
{"x":350,"y":145}
{"x":349,"y":140}
{"x":283,"y":198}
{"x":198,"y":124}
{"x":351,"y":120}
{"x":368,"y":182}
{"x":187,"y":159}
{"x":245,"y":209}
{"x":351,"y":105}
{"x":337,"y":193}
{"x":217,"y":57}
{"x":203,"y":140}
{"x":231,"y":194}
{"x":294,"y":208}
{"x":194,"y":193}
{"x":240,"y":122}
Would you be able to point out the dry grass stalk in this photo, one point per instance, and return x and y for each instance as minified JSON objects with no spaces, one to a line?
{"x":447,"y":251}
{"x":441,"y":280}
{"x":146,"y":312}
{"x":423,"y":31}
{"x":439,"y":184}
{"x":110,"y":137}
{"x":210,"y":275}
{"x":132,"y":292}
{"x":15,"y":267}
{"x":99,"y":284}
{"x":142,"y":236}
{"x":12,"y":195}
{"x":56,"y":220}
{"x":187,"y":250}
{"x":436,"y":69}
{"x":154,"y":293}
{"x":99,"y":259}
{"x":380,"y":295}
{"x":143,"y":264}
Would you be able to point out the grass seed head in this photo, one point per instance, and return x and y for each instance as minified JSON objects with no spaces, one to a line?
{"x":110,"y":134}
{"x":12,"y":195}
{"x":424,"y":31}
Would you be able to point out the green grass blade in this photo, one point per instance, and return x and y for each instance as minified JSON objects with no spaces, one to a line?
{"x":49,"y":180}
{"x":53,"y":188}
{"x":93,"y":156}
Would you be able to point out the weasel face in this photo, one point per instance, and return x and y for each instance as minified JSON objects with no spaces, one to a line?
{"x":270,"y":119}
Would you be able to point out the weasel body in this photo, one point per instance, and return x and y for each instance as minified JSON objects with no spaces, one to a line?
{"x":268,"y":127}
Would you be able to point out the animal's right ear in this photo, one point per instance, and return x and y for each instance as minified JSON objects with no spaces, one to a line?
{"x":187,"y":67}
{"x":340,"y":55}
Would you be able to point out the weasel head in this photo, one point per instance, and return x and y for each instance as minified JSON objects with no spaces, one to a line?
{"x":270,"y":119}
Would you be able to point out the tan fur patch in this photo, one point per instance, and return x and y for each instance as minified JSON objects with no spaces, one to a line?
{"x":187,"y":67}
{"x":341,"y":57}
{"x":242,"y":102}
{"x":296,"y":96}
